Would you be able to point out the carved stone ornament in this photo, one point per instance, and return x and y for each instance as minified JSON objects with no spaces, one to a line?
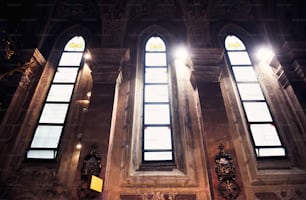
{"x":197,"y":23}
{"x":225,"y":169}
{"x":76,"y":8}
{"x":164,"y":8}
{"x":158,"y":196}
{"x":91,"y":166}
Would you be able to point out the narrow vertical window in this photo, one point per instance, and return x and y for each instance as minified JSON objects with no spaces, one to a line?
{"x":262,"y":128}
{"x":157,"y":126}
{"x":51,"y":122}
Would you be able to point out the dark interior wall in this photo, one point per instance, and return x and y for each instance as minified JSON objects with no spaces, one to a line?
{"x":108,"y":25}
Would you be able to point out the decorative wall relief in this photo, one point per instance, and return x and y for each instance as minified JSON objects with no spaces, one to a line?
{"x":164,"y":8}
{"x":18,"y":68}
{"x":114,"y":23}
{"x":198,"y":23}
{"x":283,"y":194}
{"x":91,"y":167}
{"x":76,"y":8}
{"x":159,"y":196}
{"x":233,"y":7}
{"x":225,"y":169}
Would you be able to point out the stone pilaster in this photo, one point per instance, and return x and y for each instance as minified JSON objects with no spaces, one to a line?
{"x":291,"y":73}
{"x":206,"y":76}
{"x":106,"y":66}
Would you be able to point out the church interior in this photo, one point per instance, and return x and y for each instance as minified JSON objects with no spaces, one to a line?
{"x":153,"y":100}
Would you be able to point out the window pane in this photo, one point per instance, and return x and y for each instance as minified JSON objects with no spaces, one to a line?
{"x":239,"y":58}
{"x":265,"y":135}
{"x":156,"y":93}
{"x":257,"y":112}
{"x":65,"y":75}
{"x":265,"y":152}
{"x":156,"y":75}
{"x":156,"y":59}
{"x":157,"y":138}
{"x":41,"y":154}
{"x":54,"y":113}
{"x":46,"y":137}
{"x":157,"y":156}
{"x":71,"y":59}
{"x":250,"y":91}
{"x":60,"y":93}
{"x":244,"y":73}
{"x":155,"y":44}
{"x":77,"y":43}
{"x":157,"y":114}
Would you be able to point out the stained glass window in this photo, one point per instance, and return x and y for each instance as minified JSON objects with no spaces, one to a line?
{"x":260,"y":122}
{"x":157,"y":126}
{"x":51,"y":122}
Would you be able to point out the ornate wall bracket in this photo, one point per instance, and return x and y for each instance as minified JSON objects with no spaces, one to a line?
{"x":91,"y":166}
{"x":225,"y":169}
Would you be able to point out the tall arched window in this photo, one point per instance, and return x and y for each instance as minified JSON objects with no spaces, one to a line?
{"x":157,"y":126}
{"x":50,"y":126}
{"x":261,"y":125}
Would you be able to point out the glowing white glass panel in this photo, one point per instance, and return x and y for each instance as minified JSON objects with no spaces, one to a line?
{"x":155,"y":44}
{"x":65,"y":75}
{"x":239,"y":58}
{"x":156,"y":59}
{"x":71,"y":59}
{"x":156,"y":75}
{"x":77,"y":43}
{"x":233,"y":43}
{"x":244,"y":73}
{"x":46,"y":137}
{"x":156,"y":93}
{"x":53,"y":113}
{"x":250,"y":91}
{"x":266,"y":152}
{"x":257,"y":112}
{"x":157,"y":156}
{"x":157,"y":138}
{"x":41,"y":154}
{"x":60,"y":93}
{"x":265,"y":135}
{"x":157,"y":114}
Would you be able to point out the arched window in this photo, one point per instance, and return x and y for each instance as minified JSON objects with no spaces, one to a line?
{"x":261,"y":125}
{"x":157,"y":125}
{"x":50,"y":125}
